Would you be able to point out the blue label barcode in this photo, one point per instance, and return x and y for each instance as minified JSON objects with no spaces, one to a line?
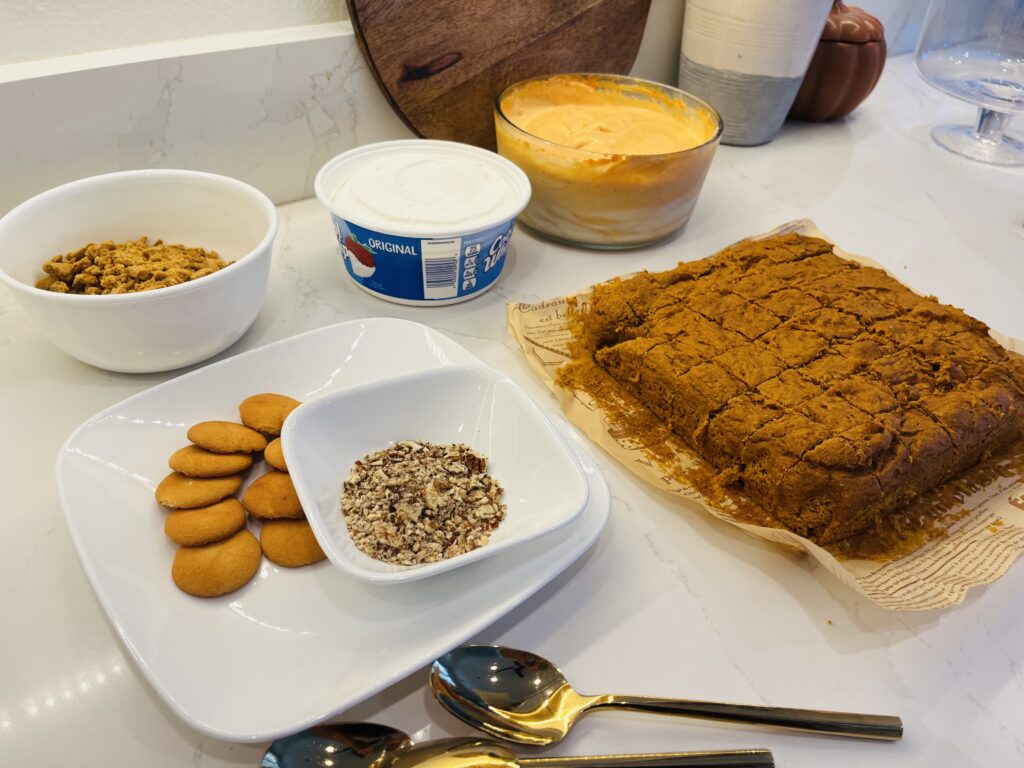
{"x":440,"y":268}
{"x":440,"y":273}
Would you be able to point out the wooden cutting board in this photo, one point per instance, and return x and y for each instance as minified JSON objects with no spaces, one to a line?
{"x":442,"y":62}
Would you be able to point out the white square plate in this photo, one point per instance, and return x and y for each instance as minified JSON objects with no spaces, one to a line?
{"x":543,"y":482}
{"x":293,"y":647}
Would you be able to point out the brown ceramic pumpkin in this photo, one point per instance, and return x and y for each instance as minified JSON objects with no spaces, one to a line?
{"x":845,"y":67}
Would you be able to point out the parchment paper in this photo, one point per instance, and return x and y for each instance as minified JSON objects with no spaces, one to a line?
{"x":979,"y":548}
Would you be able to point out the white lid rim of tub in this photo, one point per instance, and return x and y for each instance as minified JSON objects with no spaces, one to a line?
{"x":517,"y":181}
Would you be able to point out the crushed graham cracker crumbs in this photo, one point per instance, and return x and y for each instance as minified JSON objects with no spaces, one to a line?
{"x":128,"y":267}
{"x":417,"y":502}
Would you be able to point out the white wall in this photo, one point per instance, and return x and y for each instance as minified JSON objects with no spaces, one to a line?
{"x":901,"y":19}
{"x":38,"y":29}
{"x":658,"y":57}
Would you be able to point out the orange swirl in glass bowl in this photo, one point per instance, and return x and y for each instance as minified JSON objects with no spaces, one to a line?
{"x":614,"y":162}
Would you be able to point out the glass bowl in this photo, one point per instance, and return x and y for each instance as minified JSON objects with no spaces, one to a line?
{"x":975,"y":52}
{"x":602,"y":199}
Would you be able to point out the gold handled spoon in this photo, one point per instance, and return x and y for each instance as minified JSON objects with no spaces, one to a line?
{"x":518,"y":696}
{"x":483,"y":753}
{"x":368,"y":745}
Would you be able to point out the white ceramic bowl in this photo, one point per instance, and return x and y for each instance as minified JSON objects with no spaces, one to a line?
{"x":545,"y":487}
{"x":150,"y":330}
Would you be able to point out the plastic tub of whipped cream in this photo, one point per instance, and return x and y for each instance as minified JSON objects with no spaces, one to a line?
{"x":423,"y":222}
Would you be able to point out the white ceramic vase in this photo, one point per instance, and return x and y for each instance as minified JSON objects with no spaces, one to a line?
{"x":747,"y":58}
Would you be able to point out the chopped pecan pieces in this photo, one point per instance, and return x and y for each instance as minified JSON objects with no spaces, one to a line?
{"x":417,"y":502}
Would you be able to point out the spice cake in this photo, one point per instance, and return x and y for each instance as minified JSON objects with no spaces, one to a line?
{"x":826,"y":390}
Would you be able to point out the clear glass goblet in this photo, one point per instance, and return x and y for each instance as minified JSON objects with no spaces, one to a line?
{"x":974,"y":50}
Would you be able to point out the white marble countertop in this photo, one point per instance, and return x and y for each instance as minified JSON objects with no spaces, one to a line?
{"x":669,"y":601}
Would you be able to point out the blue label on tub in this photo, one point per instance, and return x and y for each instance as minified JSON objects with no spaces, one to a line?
{"x":423,"y":269}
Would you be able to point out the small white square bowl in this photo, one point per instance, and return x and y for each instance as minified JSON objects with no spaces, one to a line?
{"x":545,"y":487}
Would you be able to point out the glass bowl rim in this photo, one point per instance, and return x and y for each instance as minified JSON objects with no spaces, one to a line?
{"x":625,"y":79}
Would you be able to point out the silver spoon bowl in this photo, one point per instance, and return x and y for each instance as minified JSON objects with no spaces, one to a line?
{"x":345,"y":745}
